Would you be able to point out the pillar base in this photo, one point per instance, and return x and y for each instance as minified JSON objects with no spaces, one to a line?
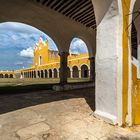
{"x":73,"y":86}
{"x":106,"y":117}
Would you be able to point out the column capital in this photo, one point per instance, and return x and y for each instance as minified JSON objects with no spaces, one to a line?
{"x":91,"y":58}
{"x":63,"y":54}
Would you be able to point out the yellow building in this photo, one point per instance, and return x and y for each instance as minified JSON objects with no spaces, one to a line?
{"x":46,"y":64}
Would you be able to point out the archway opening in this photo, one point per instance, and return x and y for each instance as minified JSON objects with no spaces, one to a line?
{"x":6,"y":76}
{"x":84,"y":71}
{"x":135,"y":63}
{"x":46,"y":74}
{"x":55,"y":71}
{"x":78,"y":60}
{"x":75,"y":72}
{"x":42,"y":74}
{"x":1,"y":76}
{"x":31,"y":53}
{"x":50,"y":73}
{"x":11,"y":75}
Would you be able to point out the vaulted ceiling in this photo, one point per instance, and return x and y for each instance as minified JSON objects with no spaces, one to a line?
{"x":81,"y":11}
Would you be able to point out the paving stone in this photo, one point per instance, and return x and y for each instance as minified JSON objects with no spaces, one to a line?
{"x":33,"y":130}
{"x":33,"y":138}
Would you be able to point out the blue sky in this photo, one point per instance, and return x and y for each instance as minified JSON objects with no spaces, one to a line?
{"x":17,"y":41}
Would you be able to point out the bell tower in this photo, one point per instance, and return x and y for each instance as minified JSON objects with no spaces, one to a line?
{"x":41,"y":53}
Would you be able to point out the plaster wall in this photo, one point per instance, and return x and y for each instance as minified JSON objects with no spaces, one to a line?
{"x":101,"y":7}
{"x":108,"y":64}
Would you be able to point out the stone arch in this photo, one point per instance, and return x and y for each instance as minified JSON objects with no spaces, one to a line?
{"x":42,"y":74}
{"x":84,"y":71}
{"x":46,"y":73}
{"x":34,"y":73}
{"x":75,"y":72}
{"x":55,"y":71}
{"x":90,"y":42}
{"x":11,"y":76}
{"x":50,"y":73}
{"x":38,"y":74}
{"x":134,"y":42}
{"x":1,"y":76}
{"x":6,"y":76}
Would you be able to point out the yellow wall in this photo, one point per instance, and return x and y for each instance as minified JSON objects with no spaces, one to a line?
{"x":42,"y":50}
{"x":125,"y":65}
{"x":135,"y":96}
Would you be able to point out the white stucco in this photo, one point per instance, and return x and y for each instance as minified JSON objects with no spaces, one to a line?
{"x":109,"y":65}
{"x":100,"y":8}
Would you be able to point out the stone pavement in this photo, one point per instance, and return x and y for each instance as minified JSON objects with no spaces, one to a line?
{"x":49,"y":115}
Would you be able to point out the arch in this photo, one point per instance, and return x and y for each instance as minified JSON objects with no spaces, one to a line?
{"x":50,"y":73}
{"x":84,"y":71}
{"x":42,"y":74}
{"x":134,"y":42}
{"x":38,"y":74}
{"x":75,"y":72}
{"x":55,"y":73}
{"x":30,"y":74}
{"x":6,"y":76}
{"x":1,"y":76}
{"x":89,"y":41}
{"x":34,"y":74}
{"x":75,"y":43}
{"x":46,"y":73}
{"x":11,"y":76}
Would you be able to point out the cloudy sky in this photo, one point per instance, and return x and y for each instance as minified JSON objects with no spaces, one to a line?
{"x":17,"y":41}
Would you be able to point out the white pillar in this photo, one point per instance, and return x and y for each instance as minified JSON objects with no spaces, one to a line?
{"x":79,"y":73}
{"x":71,"y":73}
{"x":109,"y":65}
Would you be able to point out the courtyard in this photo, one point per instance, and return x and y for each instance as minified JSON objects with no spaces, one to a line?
{"x":51,"y":115}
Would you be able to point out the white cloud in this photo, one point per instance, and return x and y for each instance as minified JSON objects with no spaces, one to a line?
{"x":19,"y":63}
{"x":78,"y":46}
{"x":27,"y":53}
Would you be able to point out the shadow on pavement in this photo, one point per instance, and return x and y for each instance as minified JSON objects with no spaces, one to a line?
{"x":11,"y":100}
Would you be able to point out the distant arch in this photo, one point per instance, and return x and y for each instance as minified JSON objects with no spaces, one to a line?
{"x":6,"y":76}
{"x":42,"y":74}
{"x":75,"y":72}
{"x":38,"y":73}
{"x":50,"y":73}
{"x":84,"y":71}
{"x":1,"y":76}
{"x":11,"y":76}
{"x":46,"y":74}
{"x":55,"y":73}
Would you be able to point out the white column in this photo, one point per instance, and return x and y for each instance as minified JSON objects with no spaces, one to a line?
{"x":108,"y":85}
{"x":79,"y":73}
{"x":71,"y":73}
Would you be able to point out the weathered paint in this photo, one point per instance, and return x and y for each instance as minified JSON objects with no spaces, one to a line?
{"x":135,"y":96}
{"x":125,"y":49}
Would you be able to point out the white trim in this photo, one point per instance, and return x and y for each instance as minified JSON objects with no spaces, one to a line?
{"x":86,"y":65}
{"x":120,"y":65}
{"x":106,"y":116}
{"x":131,"y":61}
